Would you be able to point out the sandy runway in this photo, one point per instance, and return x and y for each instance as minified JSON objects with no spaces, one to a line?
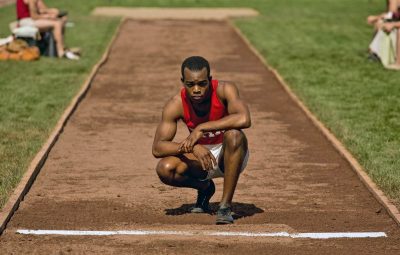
{"x":100,"y":174}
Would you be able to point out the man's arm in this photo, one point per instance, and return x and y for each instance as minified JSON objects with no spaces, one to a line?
{"x":238,"y":116}
{"x":238,"y":113}
{"x":166,"y":130}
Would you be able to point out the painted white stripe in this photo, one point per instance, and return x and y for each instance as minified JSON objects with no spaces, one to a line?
{"x":340,"y":235}
{"x":204,"y":233}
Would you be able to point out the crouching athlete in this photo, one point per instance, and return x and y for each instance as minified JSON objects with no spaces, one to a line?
{"x":216,"y":147}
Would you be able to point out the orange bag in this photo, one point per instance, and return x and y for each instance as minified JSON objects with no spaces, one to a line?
{"x":23,"y":53}
{"x":30,"y":54}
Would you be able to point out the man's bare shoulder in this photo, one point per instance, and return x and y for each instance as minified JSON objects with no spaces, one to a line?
{"x":226,"y":87}
{"x":173,"y":109}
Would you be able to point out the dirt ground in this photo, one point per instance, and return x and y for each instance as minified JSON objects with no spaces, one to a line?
{"x":153,"y":13}
{"x":100,"y":174}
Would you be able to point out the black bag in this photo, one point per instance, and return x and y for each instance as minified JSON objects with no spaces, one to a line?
{"x":47,"y":45}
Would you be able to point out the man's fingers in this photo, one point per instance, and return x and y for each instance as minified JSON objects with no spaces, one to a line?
{"x":190,"y":144}
{"x":206,"y":163}
{"x":191,"y":147}
{"x":184,"y":146}
{"x":203,"y":164}
{"x":213,"y":160}
{"x":210,"y":161}
{"x":187,"y":147}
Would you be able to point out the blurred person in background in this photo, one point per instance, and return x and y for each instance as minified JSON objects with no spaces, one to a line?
{"x":385,"y":46}
{"x":36,"y":13}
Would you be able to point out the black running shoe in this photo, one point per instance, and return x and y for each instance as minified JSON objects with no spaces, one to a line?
{"x":224,"y":216}
{"x":373,"y":57}
{"x":203,"y":199}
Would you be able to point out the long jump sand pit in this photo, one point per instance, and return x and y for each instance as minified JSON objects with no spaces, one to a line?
{"x":100,"y":174}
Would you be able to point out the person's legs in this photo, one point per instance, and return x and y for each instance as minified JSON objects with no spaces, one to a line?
{"x":186,"y":171}
{"x":183,"y":171}
{"x":396,"y":64}
{"x":56,"y":26}
{"x":234,"y":152}
{"x":398,"y":48}
{"x":64,"y":21}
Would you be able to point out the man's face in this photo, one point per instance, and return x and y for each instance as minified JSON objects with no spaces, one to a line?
{"x":197,"y":84}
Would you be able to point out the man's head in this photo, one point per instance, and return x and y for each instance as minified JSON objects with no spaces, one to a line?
{"x":196,"y":78}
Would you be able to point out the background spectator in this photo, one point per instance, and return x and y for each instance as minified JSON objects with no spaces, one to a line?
{"x":36,"y":13}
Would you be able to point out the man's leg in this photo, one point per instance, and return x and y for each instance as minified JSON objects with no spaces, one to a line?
{"x":184,"y":171}
{"x":234,"y":153}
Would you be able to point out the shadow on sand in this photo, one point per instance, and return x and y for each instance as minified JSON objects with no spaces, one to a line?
{"x":240,"y":210}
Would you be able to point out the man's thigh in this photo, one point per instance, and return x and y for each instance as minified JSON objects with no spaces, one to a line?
{"x":187,"y":164}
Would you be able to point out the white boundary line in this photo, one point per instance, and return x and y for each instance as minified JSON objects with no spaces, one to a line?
{"x":328,"y":235}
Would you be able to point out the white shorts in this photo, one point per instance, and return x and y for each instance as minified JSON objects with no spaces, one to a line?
{"x":216,"y":150}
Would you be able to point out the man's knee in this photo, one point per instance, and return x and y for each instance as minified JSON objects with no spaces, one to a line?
{"x":165,"y":170}
{"x":234,"y":139}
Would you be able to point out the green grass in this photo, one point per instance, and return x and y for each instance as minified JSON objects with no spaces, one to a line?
{"x":319,"y":47}
{"x":34,"y":95}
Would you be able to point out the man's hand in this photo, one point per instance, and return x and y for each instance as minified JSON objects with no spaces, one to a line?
{"x":205,"y":157}
{"x":188,"y":144}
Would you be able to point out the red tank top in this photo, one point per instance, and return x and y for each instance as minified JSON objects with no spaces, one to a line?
{"x":217,"y":111}
{"x":22,"y":10}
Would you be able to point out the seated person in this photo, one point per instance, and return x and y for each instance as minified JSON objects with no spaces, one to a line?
{"x":385,"y":45}
{"x":389,"y":27}
{"x":36,"y":13}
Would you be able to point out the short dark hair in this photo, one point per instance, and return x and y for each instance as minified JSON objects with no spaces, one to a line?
{"x":195,"y":63}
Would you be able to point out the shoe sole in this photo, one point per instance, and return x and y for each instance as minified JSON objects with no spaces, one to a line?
{"x":197,"y":210}
{"x":223,"y":222}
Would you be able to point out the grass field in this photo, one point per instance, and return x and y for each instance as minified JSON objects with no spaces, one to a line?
{"x":319,"y":47}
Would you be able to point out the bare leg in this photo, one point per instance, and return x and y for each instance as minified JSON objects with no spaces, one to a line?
{"x":56,"y":26}
{"x":184,"y":171}
{"x":64,"y":20}
{"x":234,"y":152}
{"x":398,"y":48}
{"x":396,"y":65}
